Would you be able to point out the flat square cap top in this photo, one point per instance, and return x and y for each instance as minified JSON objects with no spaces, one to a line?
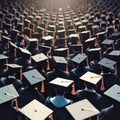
{"x":36,"y":110}
{"x":13,"y":45}
{"x":90,"y":39}
{"x":8,"y":93}
{"x":14,"y":66}
{"x":94,"y":49}
{"x":61,"y":82}
{"x":74,"y":35}
{"x":79,"y":58}
{"x":61,"y":49}
{"x":2,"y":57}
{"x":82,"y":110}
{"x":6,"y":38}
{"x":113,"y":92}
{"x":107,"y":42}
{"x":47,"y":38}
{"x":33,"y":77}
{"x":115,"y":53}
{"x":39,"y":57}
{"x":91,"y":77}
{"x":59,"y":59}
{"x":25,"y":51}
{"x":108,"y":63}
{"x":33,"y":40}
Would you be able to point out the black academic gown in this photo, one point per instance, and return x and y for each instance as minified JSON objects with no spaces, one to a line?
{"x":58,"y":113}
{"x":110,"y":113}
{"x":52,"y":75}
{"x":76,"y":73}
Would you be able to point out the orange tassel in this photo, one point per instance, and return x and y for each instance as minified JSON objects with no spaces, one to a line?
{"x":48,"y":65}
{"x":73,"y":89}
{"x":67,"y":68}
{"x":102,"y":88}
{"x":65,"y":42}
{"x":116,"y":69}
{"x":16,"y":104}
{"x":20,"y":74}
{"x":15,"y":52}
{"x":68,"y":53}
{"x":42,"y":87}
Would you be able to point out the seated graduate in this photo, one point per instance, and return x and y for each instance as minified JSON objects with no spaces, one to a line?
{"x":59,"y":64}
{"x":32,"y":79}
{"x":90,"y":80}
{"x":109,"y":73}
{"x":13,"y":76}
{"x":80,"y":61}
{"x":59,"y":101}
{"x":8,"y":94}
{"x":112,"y":112}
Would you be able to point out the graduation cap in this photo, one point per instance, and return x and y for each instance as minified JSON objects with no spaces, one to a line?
{"x":41,"y":57}
{"x":94,"y":53}
{"x":3,"y":59}
{"x":113,"y":93}
{"x":89,"y":43}
{"x":25,"y":53}
{"x":9,"y":93}
{"x":45,"y":49}
{"x":48,"y":39}
{"x":35,"y":110}
{"x":108,"y":43}
{"x":76,"y":48}
{"x":61,"y":33}
{"x":82,"y":110}
{"x":62,"y":84}
{"x":13,"y":48}
{"x":79,"y":58}
{"x":61,"y":51}
{"x":14,"y":68}
{"x":91,"y":77}
{"x":33,"y":43}
{"x":33,"y":77}
{"x":107,"y":63}
{"x":6,"y":40}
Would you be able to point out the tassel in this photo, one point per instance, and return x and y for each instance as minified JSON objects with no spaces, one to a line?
{"x":48,"y":65}
{"x":116,"y":70}
{"x":16,"y":104}
{"x":73,"y":89}
{"x":68,"y":53}
{"x":67,"y":70}
{"x":15,"y":52}
{"x":102,"y":88}
{"x":42,"y":87}
{"x":20,"y":74}
{"x":65,"y":42}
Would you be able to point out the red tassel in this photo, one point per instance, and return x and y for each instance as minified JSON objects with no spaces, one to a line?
{"x":67,"y":68}
{"x":16,"y":104}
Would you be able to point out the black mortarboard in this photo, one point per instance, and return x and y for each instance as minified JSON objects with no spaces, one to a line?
{"x":35,"y":110}
{"x":25,"y":53}
{"x":62,"y":51}
{"x":79,"y":58}
{"x":82,"y":110}
{"x":107,"y":63}
{"x":5,"y":39}
{"x":113,"y":92}
{"x":8,"y":93}
{"x":32,"y":77}
{"x":76,"y":48}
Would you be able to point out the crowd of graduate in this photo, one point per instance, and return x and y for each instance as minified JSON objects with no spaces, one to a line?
{"x":59,"y":60}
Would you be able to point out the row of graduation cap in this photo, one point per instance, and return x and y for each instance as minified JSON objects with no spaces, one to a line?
{"x":106,"y":63}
